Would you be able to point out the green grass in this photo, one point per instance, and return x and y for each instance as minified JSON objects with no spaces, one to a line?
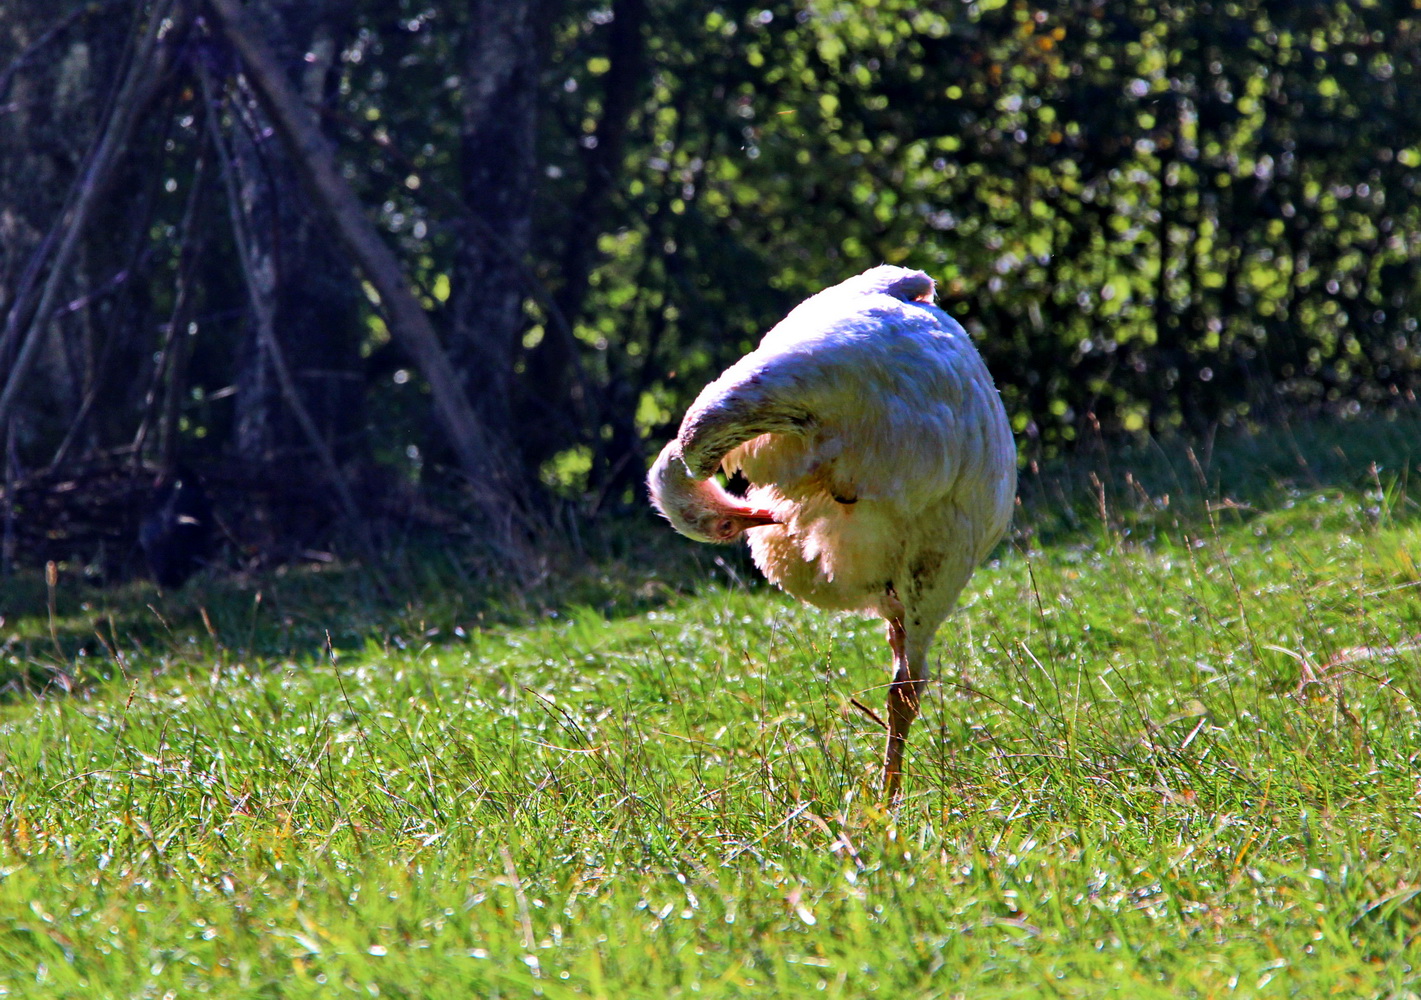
{"x":1175,"y":751}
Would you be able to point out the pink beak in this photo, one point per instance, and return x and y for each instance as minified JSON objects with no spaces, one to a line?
{"x":754,"y":517}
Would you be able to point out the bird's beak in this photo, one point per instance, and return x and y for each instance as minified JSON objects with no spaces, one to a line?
{"x":755,"y":517}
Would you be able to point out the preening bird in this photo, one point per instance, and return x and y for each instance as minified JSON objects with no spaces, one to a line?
{"x":881,"y":464}
{"x":176,"y":536}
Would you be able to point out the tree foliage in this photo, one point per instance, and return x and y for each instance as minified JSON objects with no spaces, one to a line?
{"x":1153,"y":216}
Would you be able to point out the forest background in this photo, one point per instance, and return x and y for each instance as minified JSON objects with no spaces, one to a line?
{"x":368,"y":264}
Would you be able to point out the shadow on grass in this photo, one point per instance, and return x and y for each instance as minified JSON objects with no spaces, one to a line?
{"x":77,"y":635}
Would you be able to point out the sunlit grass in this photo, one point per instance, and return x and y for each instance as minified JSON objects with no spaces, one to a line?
{"x":1171,"y":753}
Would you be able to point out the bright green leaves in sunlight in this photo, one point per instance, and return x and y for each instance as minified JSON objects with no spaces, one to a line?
{"x":1135,"y":208}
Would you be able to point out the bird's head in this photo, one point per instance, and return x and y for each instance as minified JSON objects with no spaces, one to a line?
{"x":696,"y":508}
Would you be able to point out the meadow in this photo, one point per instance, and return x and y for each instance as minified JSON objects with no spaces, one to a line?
{"x":1173,"y":751}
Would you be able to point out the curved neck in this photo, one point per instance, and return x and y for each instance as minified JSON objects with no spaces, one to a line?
{"x":699,"y":508}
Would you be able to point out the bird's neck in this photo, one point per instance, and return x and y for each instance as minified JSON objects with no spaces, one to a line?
{"x":699,"y":508}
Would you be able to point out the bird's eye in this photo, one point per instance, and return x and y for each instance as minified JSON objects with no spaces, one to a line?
{"x":724,"y":528}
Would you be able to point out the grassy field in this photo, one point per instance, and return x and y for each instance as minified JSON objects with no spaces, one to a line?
{"x":1175,"y":752}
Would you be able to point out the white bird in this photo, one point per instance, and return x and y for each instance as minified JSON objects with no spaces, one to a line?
{"x":881,"y":464}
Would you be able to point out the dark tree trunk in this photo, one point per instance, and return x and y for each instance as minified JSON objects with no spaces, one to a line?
{"x":50,"y":69}
{"x":498,"y":161}
{"x":56,"y":175}
{"x":553,"y":364}
{"x":313,"y":293}
{"x":479,"y":457}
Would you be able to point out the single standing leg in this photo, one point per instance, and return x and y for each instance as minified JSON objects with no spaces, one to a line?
{"x":903,"y":697}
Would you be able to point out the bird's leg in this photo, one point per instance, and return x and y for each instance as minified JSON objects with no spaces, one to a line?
{"x":903,"y":696}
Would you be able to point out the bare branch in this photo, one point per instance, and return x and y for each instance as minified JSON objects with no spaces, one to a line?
{"x":143,"y":79}
{"x":259,"y":282}
{"x":314,"y":158}
{"x":33,"y":50}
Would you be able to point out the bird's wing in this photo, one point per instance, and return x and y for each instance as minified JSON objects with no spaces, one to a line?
{"x":861,"y":392}
{"x":779,"y":388}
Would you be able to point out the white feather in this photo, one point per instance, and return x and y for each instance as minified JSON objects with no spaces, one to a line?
{"x":870,"y":430}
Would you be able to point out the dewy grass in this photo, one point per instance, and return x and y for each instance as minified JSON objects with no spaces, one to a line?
{"x":1171,"y":754}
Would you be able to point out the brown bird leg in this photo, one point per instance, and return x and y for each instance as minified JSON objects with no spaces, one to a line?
{"x":903,"y":695}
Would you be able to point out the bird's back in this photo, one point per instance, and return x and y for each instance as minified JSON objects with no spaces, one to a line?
{"x":905,"y":442}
